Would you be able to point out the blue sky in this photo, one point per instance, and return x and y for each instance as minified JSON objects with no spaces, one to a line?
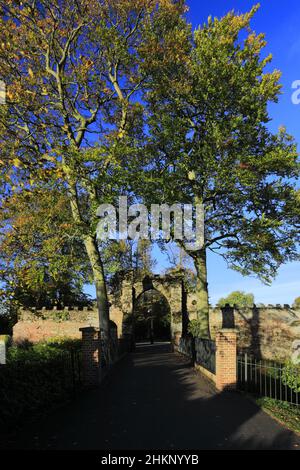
{"x":280,"y":22}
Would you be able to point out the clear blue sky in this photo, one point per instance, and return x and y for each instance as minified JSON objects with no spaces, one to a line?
{"x":280,"y":22}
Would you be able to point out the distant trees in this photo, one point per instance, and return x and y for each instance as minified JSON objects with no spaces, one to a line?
{"x":239,"y":298}
{"x":296,"y":302}
{"x":128,"y":255}
{"x":181,"y":264}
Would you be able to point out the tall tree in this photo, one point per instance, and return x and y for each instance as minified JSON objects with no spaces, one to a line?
{"x":74,"y":73}
{"x":42,"y":259}
{"x":210,"y":137}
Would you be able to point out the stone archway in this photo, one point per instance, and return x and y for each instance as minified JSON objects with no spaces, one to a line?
{"x":151,"y":316}
{"x":126,"y":290}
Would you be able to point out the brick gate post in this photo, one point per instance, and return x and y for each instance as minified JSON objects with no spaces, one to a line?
{"x":226,"y":357}
{"x":90,"y":356}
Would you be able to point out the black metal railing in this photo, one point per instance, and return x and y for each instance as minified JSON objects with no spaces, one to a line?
{"x":205,"y":352}
{"x":29,"y":386}
{"x":186,"y":346}
{"x":66,"y":365}
{"x":268,"y":379}
{"x":72,"y":360}
{"x":201,"y":350}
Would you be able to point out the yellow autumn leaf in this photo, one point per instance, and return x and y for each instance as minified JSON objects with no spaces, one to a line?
{"x":191,"y":175}
{"x":17,"y":162}
{"x":30,"y":73}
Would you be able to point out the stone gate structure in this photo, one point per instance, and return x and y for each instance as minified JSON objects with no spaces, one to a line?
{"x":267,"y":331}
{"x":127,"y":291}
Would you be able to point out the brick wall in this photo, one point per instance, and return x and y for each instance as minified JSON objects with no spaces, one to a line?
{"x":226,"y":350}
{"x":38,"y":325}
{"x":266,"y":331}
{"x":91,"y":356}
{"x":224,"y":375}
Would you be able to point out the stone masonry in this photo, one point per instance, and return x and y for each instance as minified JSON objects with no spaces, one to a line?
{"x":267,"y":331}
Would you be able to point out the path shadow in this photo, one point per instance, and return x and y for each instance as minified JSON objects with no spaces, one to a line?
{"x":154,"y":400}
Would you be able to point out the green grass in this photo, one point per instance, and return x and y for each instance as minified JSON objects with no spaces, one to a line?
{"x":287,"y":414}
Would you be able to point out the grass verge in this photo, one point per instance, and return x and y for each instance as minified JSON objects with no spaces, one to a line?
{"x":285,"y":413}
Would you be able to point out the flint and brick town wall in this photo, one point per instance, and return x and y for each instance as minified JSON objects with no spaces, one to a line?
{"x":266,"y":331}
{"x":39,"y":325}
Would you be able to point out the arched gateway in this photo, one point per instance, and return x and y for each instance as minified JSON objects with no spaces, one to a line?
{"x":152,"y":316}
{"x":127,"y":295}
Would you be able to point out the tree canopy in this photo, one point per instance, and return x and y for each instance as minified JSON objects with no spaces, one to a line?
{"x":74,"y":73}
{"x":106,"y":98}
{"x":42,"y":262}
{"x":239,"y":298}
{"x":211,"y":144}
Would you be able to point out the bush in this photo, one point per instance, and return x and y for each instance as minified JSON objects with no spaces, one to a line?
{"x":291,"y":376}
{"x":35,"y":379}
{"x":64,"y":344}
{"x":195,"y":328}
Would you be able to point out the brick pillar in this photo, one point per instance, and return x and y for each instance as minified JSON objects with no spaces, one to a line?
{"x":226,"y":359}
{"x":90,"y":356}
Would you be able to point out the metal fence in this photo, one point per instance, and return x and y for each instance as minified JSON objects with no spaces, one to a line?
{"x":72,"y":360}
{"x":205,"y":352}
{"x":65,"y":366}
{"x":201,"y":350}
{"x":31,"y":385}
{"x":268,"y":379}
{"x":186,"y":346}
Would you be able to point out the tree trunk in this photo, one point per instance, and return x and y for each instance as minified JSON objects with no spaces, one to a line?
{"x":92,"y":250}
{"x":100,"y":284}
{"x":202,"y":293}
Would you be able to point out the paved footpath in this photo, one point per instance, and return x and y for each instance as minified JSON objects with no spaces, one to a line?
{"x":154,"y":400}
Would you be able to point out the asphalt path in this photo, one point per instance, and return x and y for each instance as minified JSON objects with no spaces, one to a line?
{"x":154,"y":400}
